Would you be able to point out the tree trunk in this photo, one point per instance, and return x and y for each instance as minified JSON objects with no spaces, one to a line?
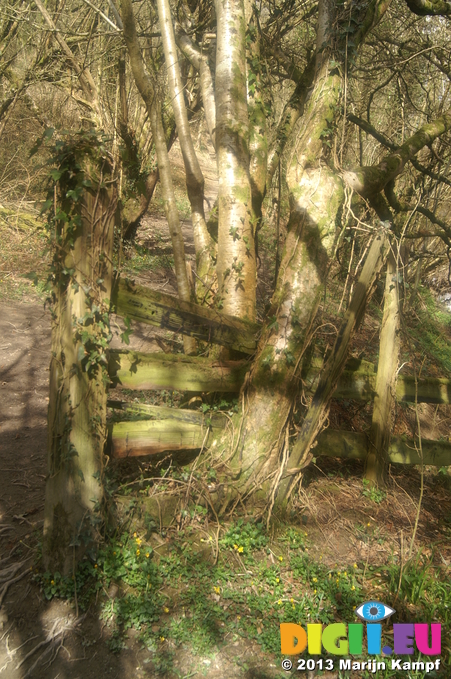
{"x":199,"y":59}
{"x":145,"y":87}
{"x":194,"y":178}
{"x":78,"y":375}
{"x":376,"y":462}
{"x":258,"y":145}
{"x":236,"y":266}
{"x":319,"y":407}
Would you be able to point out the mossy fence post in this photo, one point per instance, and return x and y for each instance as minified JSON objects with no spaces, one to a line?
{"x":81,"y":220}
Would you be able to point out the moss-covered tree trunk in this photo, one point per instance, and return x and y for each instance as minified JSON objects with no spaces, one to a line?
{"x":316,"y":196}
{"x":83,"y":222}
{"x":258,"y":450}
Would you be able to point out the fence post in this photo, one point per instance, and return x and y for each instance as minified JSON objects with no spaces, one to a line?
{"x":82,"y":221}
{"x":376,"y":462}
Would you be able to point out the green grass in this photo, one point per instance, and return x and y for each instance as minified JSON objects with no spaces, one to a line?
{"x":141,"y":260}
{"x":432,"y":334}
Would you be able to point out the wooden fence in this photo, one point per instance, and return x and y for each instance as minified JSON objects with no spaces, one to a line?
{"x":154,"y":430}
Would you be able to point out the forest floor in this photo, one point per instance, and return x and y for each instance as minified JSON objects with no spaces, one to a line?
{"x":191,"y":597}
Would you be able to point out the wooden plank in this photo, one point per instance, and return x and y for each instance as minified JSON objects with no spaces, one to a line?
{"x":165,"y":311}
{"x":175,"y":431}
{"x":134,"y":370}
{"x":168,"y":430}
{"x":430,"y":389}
{"x":354,"y":445}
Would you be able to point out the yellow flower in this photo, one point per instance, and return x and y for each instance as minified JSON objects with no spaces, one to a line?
{"x":238,"y":617}
{"x":346,"y":574}
{"x":353,"y":587}
{"x":368,"y":524}
{"x":217,"y":590}
{"x":114,"y":553}
{"x":166,"y":609}
{"x":291,"y":600}
{"x":95,"y":565}
{"x":277,"y":580}
{"x":314,"y":579}
{"x":280,"y":602}
{"x":355,"y":565}
{"x":147,"y":555}
{"x":235,"y":546}
{"x":138,"y":552}
{"x":314,"y":591}
{"x":138,"y":541}
{"x":339,"y":573}
{"x":330,"y":575}
{"x":280,"y":558}
{"x":337,"y":581}
{"x":320,"y":557}
{"x":52,"y":582}
{"x":293,"y":606}
{"x":134,"y":535}
{"x":241,"y":550}
{"x":161,"y":639}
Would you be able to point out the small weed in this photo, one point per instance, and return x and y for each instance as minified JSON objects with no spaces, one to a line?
{"x":245,"y":537}
{"x":373,"y":493}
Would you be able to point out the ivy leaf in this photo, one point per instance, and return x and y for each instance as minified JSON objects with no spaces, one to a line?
{"x":55,"y":174}
{"x":32,"y":276}
{"x":125,"y":336}
{"x":46,"y":206}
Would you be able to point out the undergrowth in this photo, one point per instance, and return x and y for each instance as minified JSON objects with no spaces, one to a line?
{"x":186,"y":597}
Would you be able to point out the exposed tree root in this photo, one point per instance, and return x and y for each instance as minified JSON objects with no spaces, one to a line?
{"x":51,"y":644}
{"x":8,"y":577}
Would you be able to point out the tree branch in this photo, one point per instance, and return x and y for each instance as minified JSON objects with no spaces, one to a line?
{"x":429,"y":7}
{"x":368,"y":181}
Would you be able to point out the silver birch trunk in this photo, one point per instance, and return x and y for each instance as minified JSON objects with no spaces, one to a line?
{"x":194,"y":178}
{"x":145,"y":87}
{"x":236,"y":265}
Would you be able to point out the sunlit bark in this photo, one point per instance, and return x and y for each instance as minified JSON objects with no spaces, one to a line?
{"x":77,"y":405}
{"x":199,"y":59}
{"x":376,"y":461}
{"x":236,"y":266}
{"x":145,"y":87}
{"x":194,"y":177}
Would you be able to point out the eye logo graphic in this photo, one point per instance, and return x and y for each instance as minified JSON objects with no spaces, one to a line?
{"x":374,"y":611}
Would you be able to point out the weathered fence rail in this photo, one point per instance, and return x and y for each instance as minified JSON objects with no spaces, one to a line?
{"x":165,"y":311}
{"x":178,"y":372}
{"x":177,"y":431}
{"x":153,"y":430}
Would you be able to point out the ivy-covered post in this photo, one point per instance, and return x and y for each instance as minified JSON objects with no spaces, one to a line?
{"x":81,"y":206}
